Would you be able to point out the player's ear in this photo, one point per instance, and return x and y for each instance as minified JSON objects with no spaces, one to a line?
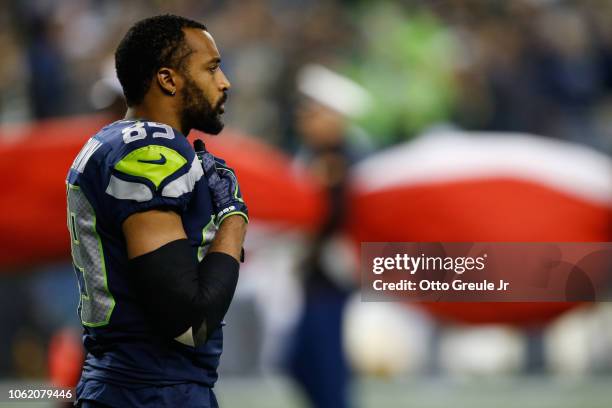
{"x":167,"y":80}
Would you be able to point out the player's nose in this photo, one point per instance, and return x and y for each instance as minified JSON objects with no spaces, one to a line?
{"x":224,"y":83}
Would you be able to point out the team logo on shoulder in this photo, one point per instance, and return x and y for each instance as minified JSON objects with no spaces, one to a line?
{"x":161,"y":160}
{"x":153,"y":162}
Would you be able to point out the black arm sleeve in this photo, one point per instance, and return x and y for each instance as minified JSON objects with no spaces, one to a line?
{"x":178,"y":293}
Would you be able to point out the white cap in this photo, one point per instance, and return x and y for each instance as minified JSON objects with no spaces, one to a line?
{"x":333,"y":90}
{"x":106,"y":89}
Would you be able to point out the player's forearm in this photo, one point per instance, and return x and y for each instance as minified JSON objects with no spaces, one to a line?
{"x":189,"y":294}
{"x":230,"y":237}
{"x":218,"y":277}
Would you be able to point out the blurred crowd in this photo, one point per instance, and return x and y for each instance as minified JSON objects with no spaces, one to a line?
{"x":534,"y":66}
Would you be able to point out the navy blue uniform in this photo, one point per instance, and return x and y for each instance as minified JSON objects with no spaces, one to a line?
{"x":132,"y":166}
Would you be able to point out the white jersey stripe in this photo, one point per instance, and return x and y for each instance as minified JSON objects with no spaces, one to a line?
{"x":127,"y":190}
{"x":186,"y":182}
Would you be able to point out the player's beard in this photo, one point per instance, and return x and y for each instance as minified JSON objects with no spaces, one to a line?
{"x":198,"y":113}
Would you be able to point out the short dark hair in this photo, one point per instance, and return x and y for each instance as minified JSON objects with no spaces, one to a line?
{"x":150,"y":44}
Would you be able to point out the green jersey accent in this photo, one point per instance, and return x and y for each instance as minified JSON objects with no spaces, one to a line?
{"x":153,"y":162}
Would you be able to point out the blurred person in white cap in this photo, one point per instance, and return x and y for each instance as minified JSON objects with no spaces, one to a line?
{"x":316,"y":358}
{"x":106,"y":94}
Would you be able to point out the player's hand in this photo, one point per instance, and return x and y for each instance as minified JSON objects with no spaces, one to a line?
{"x":223,"y":185}
{"x":227,"y":197}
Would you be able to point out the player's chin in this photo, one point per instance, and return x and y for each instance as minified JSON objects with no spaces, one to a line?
{"x":212,"y":127}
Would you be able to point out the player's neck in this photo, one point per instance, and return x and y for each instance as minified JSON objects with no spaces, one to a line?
{"x":155,"y":114}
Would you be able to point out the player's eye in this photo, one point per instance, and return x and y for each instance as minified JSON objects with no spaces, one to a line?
{"x":214,"y":68}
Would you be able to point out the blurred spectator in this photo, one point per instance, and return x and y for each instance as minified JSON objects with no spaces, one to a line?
{"x":527,"y":66}
{"x":406,"y":62}
{"x":317,"y":358}
{"x":48,"y":74}
{"x":106,"y":94}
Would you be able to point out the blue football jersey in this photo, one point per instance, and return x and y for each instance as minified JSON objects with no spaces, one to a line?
{"x":132,"y":166}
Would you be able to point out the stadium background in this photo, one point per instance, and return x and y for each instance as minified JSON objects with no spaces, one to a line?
{"x":403,"y":82}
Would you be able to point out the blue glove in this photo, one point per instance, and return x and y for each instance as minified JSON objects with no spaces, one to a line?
{"x":223,"y":186}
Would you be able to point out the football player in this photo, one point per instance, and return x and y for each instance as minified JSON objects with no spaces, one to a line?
{"x":156,"y":227}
